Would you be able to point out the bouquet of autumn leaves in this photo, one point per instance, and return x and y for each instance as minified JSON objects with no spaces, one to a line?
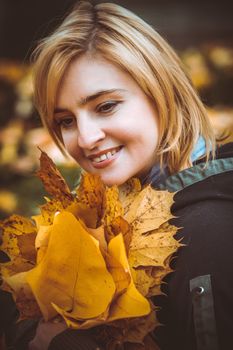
{"x":94,"y":257}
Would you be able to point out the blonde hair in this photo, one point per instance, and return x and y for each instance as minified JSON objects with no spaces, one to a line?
{"x":125,"y":40}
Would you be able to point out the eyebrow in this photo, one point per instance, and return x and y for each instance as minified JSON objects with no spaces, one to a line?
{"x":92,"y":97}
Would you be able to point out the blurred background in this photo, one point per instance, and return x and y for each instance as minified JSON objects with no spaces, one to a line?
{"x":200,"y":31}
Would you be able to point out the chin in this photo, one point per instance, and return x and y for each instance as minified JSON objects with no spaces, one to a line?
{"x":111,"y":181}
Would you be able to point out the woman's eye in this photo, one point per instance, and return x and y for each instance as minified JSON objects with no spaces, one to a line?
{"x":66,"y":122}
{"x":107,"y":107}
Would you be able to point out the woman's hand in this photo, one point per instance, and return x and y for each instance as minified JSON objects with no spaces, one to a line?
{"x":45,"y":332}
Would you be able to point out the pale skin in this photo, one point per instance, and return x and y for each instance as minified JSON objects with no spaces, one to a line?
{"x":108,"y":125}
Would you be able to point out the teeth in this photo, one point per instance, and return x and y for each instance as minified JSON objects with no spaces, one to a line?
{"x":105,"y":156}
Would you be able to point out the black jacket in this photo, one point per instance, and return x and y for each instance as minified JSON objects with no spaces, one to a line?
{"x":197,"y":312}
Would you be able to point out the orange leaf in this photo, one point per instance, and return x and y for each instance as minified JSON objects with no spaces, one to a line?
{"x":91,"y":193}
{"x":52,"y":179}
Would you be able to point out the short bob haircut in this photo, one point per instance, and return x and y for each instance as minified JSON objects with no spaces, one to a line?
{"x":125,"y":40}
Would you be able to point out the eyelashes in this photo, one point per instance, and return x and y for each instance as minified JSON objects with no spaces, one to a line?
{"x":107,"y":107}
{"x":67,"y":121}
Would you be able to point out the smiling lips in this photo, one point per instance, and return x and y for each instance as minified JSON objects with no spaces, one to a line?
{"x":103,"y":158}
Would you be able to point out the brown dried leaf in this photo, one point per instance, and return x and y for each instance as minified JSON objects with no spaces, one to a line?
{"x":82,"y":211}
{"x":143,"y":280}
{"x":158,"y":275}
{"x":48,"y":210}
{"x":26,"y":244}
{"x":140,"y":327}
{"x":27,"y":306}
{"x":148,"y":344}
{"x":13,"y":229}
{"x":91,"y":193}
{"x":52,"y":179}
{"x":16,"y":265}
{"x":17,"y":225}
{"x":18,"y":237}
{"x":113,"y":209}
{"x":127,"y":333}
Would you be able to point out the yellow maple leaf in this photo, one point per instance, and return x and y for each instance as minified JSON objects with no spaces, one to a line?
{"x":128,"y":191}
{"x":126,"y":301}
{"x":72,"y":274}
{"x":131,"y":303}
{"x":120,"y":275}
{"x":98,"y":233}
{"x":149,"y":258}
{"x":149,"y":209}
{"x":154,"y":248}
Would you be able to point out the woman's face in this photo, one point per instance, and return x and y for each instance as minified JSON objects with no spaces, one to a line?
{"x":108,"y":124}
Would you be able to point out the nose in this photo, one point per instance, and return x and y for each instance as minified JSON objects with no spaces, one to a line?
{"x":90,"y":133}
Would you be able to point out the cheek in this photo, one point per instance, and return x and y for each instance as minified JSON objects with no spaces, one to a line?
{"x":141,"y":131}
{"x":71,"y":143}
{"x":142,"y":119}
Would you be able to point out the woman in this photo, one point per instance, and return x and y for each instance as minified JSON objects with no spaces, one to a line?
{"x":113,"y":94}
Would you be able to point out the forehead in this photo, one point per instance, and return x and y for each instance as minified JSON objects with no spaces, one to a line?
{"x":87,"y":75}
